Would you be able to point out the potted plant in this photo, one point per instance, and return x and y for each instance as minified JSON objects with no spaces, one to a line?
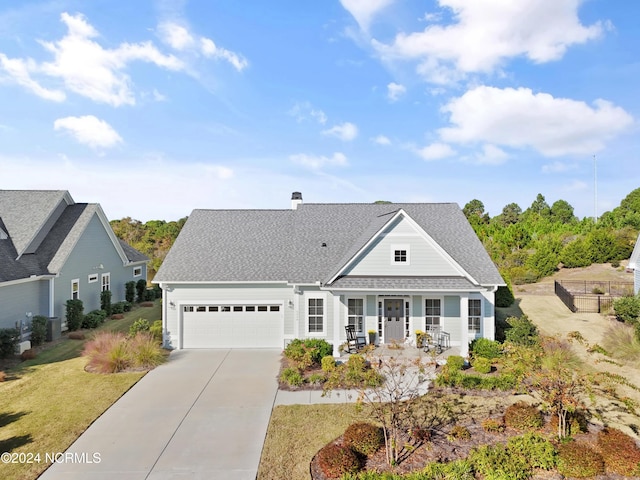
{"x":420,"y":337}
{"x":372,"y":337}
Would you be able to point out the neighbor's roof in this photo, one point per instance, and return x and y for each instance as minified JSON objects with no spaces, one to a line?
{"x":42,"y":228}
{"x":286,"y":245}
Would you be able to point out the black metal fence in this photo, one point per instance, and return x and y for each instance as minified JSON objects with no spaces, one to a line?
{"x":591,"y":296}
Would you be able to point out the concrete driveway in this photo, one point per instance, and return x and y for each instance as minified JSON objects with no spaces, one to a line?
{"x":203,"y":415}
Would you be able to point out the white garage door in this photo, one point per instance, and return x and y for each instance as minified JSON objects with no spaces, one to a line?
{"x":232,"y":326}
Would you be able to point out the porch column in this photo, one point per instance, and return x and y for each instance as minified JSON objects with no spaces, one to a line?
{"x":52,"y":295}
{"x":464,"y":326}
{"x":336,"y":299}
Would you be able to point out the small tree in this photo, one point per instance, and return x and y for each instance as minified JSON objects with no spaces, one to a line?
{"x":8,"y":341}
{"x":394,"y":403}
{"x":75,"y":314}
{"x":105,"y":301}
{"x":141,"y":289}
{"x":130,"y":291}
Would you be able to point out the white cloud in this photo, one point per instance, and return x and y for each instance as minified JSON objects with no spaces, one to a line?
{"x":218,"y":171}
{"x":92,"y":71}
{"x":436,"y":151}
{"x":557,"y":167}
{"x":179,"y":38}
{"x":18,"y":70}
{"x":176,"y":36}
{"x":395,"y":91}
{"x":302,"y":111}
{"x":89,"y":130}
{"x":518,"y":118}
{"x":381,"y":140}
{"x":211,"y":50}
{"x":346,"y":131}
{"x":485,"y":34}
{"x":491,"y":155}
{"x":364,"y":10}
{"x":316,"y":162}
{"x":577,"y":185}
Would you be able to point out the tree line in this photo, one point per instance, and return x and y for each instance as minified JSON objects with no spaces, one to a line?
{"x":525,"y":245}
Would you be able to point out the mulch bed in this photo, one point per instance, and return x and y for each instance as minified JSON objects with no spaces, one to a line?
{"x":440,"y":449}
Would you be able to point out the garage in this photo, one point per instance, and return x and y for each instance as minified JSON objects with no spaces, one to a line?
{"x":232,"y":326}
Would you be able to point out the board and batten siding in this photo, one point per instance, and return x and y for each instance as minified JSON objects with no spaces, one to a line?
{"x":94,"y":248}
{"x":180,"y":295}
{"x":17,"y":299}
{"x":636,"y":280}
{"x":424,"y":258}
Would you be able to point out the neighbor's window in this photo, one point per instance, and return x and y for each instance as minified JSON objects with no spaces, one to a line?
{"x":106,"y":281}
{"x":432,"y":314}
{"x":316,"y":315}
{"x":355,"y":313}
{"x":75,"y":289}
{"x":93,"y":278}
{"x":475,"y":314}
{"x":137,"y":271}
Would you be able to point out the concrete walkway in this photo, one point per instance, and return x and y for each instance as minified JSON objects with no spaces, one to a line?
{"x":203,"y":415}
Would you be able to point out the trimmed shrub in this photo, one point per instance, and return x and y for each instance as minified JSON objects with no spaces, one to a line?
{"x":455,"y":363}
{"x":156,"y":330}
{"x":28,"y":355}
{"x":130,"y":291}
{"x":316,"y":379}
{"x":94,"y":319}
{"x":458,"y":432}
{"x":292,"y":377}
{"x":140,"y":325}
{"x":75,"y":314}
{"x":536,"y":450}
{"x":141,"y":288}
{"x":305,"y":353}
{"x":8,"y":341}
{"x":495,"y":462}
{"x":364,"y":438}
{"x":523,"y":416}
{"x":328,"y":363}
{"x":627,"y":309}
{"x":481,"y":365}
{"x":579,"y":460}
{"x":483,"y":347}
{"x":620,"y":452}
{"x":149,"y":295}
{"x":492,"y":425}
{"x":337,"y":460}
{"x":120,"y":307}
{"x":157,"y":291}
{"x":38,"y":330}
{"x":105,"y":301}
{"x":504,"y":296}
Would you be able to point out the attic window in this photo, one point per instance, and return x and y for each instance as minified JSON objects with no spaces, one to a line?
{"x":400,"y":254}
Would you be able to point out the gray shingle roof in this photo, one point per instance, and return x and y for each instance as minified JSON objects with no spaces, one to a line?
{"x":36,"y":207}
{"x":286,"y":245}
{"x":403,"y":283}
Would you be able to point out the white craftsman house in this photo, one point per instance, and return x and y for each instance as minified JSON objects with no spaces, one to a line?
{"x":260,"y":278}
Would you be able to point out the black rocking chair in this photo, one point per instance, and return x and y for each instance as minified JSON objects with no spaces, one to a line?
{"x":353,"y":340}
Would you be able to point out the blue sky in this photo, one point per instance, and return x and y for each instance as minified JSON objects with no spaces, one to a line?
{"x":153,"y":108}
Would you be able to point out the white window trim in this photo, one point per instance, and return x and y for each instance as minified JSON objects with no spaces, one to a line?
{"x":424,"y":306}
{"x":106,"y":275}
{"x":75,"y":281}
{"x":474,"y":333}
{"x":325,"y":305}
{"x":92,"y":278}
{"x":139,"y":274}
{"x":392,"y":255}
{"x":364,"y":312}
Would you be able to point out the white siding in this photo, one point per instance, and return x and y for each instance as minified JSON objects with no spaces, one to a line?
{"x":424,"y":257}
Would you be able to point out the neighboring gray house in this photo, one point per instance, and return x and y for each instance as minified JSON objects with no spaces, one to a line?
{"x":634,"y":264}
{"x":260,"y":278}
{"x":53,"y":249}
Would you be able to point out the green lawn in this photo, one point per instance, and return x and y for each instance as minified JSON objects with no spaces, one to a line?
{"x":49,"y":401}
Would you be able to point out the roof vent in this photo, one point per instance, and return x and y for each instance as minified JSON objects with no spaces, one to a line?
{"x":296,"y":199}
{"x":324,"y":244}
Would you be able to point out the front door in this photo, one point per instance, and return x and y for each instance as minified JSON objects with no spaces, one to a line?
{"x":393,"y":320}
